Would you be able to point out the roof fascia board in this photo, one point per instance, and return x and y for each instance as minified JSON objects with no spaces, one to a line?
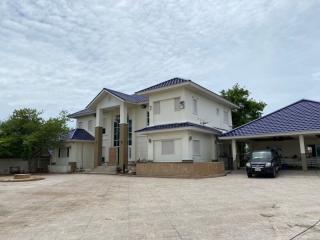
{"x":271,"y":135}
{"x":161,"y":89}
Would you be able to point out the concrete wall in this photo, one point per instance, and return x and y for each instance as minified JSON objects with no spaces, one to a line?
{"x":180,"y":169}
{"x":5,"y":165}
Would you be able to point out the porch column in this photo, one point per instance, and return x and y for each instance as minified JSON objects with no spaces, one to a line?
{"x":303,"y":153}
{"x":98,"y":138}
{"x":234,"y":153}
{"x":123,"y":151}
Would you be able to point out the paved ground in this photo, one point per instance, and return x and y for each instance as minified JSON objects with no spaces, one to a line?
{"x":115,"y":207}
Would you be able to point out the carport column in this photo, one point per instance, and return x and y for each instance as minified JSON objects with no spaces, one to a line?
{"x":303,"y":153}
{"x":123,"y":151}
{"x":98,"y":138}
{"x":234,"y":153}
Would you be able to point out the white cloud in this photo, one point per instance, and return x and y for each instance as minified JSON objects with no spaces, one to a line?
{"x":57,"y":55}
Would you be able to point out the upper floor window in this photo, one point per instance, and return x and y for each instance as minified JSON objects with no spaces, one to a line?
{"x":80,"y":124}
{"x":148,"y":118}
{"x":195,"y":106}
{"x":156,"y":107}
{"x":226,"y":117}
{"x":177,"y":104}
{"x":90,"y":125}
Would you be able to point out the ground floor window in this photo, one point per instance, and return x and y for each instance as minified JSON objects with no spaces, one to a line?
{"x":167,"y":147}
{"x":64,"y":152}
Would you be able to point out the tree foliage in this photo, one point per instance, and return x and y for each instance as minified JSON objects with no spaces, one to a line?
{"x":249,"y":109}
{"x":27,"y":135}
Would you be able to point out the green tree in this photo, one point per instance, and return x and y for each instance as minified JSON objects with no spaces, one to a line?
{"x":249,"y":109}
{"x":27,"y":135}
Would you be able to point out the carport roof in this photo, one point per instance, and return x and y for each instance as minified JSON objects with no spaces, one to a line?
{"x":300,"y":117}
{"x":77,"y":134}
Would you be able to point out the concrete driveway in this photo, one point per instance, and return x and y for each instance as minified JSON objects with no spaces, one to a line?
{"x":83,"y":206}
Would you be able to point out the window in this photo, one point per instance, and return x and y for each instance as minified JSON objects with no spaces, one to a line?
{"x":64,"y":152}
{"x":80,"y":124}
{"x":218,"y":111}
{"x":90,"y":125}
{"x":68,"y":151}
{"x":177,"y":104}
{"x":226,"y":117}
{"x":195,"y":106}
{"x":116,"y":132}
{"x":148,"y":118}
{"x":196,"y":147}
{"x":156,"y":107}
{"x":129,"y":132}
{"x":167,"y":147}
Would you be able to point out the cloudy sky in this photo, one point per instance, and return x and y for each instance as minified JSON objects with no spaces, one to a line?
{"x":58,"y":54}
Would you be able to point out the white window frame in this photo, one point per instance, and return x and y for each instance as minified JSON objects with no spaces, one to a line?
{"x":196,"y":149}
{"x":177,"y":101}
{"x":195,"y":106}
{"x":90,"y":125}
{"x":148,"y":118}
{"x":168,"y":147}
{"x":156,"y":107}
{"x":226,"y":117}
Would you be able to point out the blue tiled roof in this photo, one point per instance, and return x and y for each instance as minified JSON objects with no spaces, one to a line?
{"x":83,"y":112}
{"x":128,"y":98}
{"x":171,"y":82}
{"x":78,"y":134}
{"x":178,"y":125}
{"x":301,"y":116}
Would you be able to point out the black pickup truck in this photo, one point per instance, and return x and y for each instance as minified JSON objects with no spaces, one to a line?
{"x":266,"y":162}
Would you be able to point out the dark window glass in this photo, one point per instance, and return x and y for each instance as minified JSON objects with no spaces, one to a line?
{"x":261,"y":156}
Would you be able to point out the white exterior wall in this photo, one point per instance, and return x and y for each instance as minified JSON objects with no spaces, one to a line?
{"x":183,"y":143}
{"x":207,"y":111}
{"x":80,"y":152}
{"x":167,"y":110}
{"x":207,"y":146}
{"x":85,"y":120}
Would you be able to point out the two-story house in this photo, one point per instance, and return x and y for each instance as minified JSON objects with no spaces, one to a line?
{"x":173,"y":121}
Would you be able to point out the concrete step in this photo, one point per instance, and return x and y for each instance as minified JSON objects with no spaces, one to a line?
{"x":104,"y":169}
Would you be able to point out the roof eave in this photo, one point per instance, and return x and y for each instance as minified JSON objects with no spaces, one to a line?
{"x":314,"y":132}
{"x":146,"y":132}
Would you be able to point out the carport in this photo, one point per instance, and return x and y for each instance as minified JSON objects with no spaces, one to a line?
{"x":293,"y":130}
